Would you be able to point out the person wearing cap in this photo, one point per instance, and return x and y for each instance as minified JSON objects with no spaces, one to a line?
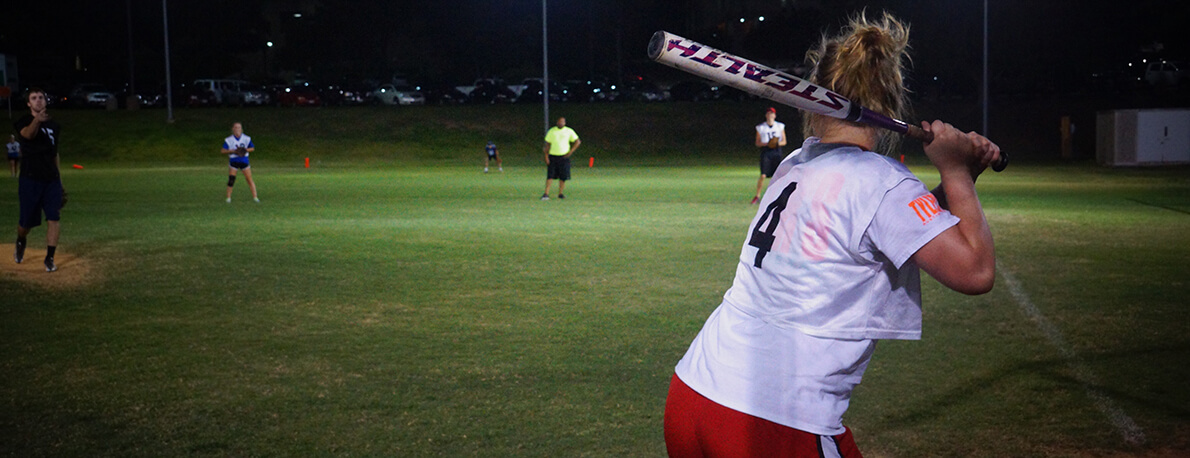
{"x":770,"y":137}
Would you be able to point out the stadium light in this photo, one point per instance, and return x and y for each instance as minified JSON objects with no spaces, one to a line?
{"x":761,"y":19}
{"x":269,"y":44}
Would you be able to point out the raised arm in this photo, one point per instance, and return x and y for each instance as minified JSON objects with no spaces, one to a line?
{"x":963,"y":257}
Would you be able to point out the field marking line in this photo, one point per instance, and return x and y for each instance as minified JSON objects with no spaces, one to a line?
{"x":1121,"y":421}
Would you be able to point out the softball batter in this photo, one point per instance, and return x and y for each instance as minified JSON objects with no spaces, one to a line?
{"x":830,"y":266}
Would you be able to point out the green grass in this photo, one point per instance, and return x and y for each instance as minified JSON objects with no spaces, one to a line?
{"x":402,"y":303}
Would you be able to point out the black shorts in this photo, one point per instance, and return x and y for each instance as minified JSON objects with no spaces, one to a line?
{"x":559,"y":168}
{"x":769,"y":160}
{"x":494,"y":156}
{"x":37,"y":197}
{"x":14,"y":158}
{"x":238,"y":164}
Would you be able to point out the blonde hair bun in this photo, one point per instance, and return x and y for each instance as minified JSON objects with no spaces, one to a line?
{"x":864,"y":62}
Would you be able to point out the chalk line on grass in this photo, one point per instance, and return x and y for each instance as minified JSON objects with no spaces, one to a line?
{"x":1121,"y":421}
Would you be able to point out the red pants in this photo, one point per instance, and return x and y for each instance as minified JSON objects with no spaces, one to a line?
{"x":697,"y":427}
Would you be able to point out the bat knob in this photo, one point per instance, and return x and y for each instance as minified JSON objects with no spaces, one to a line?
{"x":1001,"y":164}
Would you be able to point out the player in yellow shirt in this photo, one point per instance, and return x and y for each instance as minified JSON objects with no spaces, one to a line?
{"x":560,"y":143}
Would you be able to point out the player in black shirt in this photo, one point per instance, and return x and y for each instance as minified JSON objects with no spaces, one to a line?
{"x":40,"y":183}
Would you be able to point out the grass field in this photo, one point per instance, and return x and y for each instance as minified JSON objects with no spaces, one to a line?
{"x":394,"y":301}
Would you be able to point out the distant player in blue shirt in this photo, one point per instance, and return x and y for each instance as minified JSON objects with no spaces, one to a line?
{"x":493,"y":155}
{"x":237,"y":147}
{"x":14,"y":154}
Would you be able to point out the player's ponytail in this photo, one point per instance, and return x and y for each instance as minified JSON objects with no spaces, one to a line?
{"x":864,"y":63}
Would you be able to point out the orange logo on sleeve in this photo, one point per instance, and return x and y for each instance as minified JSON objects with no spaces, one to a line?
{"x":926,"y":208}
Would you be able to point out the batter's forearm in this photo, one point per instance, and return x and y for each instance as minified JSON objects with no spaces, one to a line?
{"x":958,"y":193}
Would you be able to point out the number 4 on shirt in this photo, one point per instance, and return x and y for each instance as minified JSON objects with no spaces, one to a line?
{"x":763,"y":240}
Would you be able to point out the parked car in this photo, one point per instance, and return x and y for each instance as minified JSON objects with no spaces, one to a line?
{"x":532,"y":91}
{"x":255,"y":94}
{"x":639,"y":90}
{"x":443,"y":94}
{"x":1163,"y":73}
{"x":222,"y":91}
{"x":691,"y":91}
{"x":89,"y":95}
{"x":146,"y":97}
{"x":193,"y":96}
{"x":593,"y":90}
{"x":298,"y":95}
{"x":393,"y":94}
{"x":490,"y":91}
{"x":346,"y":94}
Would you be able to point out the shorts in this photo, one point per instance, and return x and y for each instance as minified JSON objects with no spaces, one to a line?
{"x":559,"y":168}
{"x":696,"y":426}
{"x":494,"y":156}
{"x":14,"y":157}
{"x":769,"y":160}
{"x":239,"y":164}
{"x":37,"y":197}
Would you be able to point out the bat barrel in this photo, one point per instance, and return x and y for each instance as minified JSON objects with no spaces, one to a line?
{"x":656,"y":45}
{"x":756,"y":79}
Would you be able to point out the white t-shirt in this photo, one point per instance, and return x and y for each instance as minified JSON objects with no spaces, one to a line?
{"x":767,"y":132}
{"x":231,"y":143}
{"x":814,"y":291}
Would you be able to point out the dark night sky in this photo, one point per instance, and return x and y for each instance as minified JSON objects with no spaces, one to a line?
{"x":1046,"y":44}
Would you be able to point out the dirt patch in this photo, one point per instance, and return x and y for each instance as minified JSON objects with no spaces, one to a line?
{"x":73,"y":271}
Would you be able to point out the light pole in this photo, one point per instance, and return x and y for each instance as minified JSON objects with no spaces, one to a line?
{"x":131,"y":54}
{"x":984,"y":90}
{"x":169,"y":90}
{"x":545,"y":67}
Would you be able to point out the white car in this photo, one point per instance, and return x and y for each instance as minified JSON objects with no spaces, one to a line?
{"x":1163,"y":74}
{"x":390,"y":94}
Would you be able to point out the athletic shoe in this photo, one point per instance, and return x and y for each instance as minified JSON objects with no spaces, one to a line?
{"x":49,"y":265}
{"x":561,"y":196}
{"x":501,"y":169}
{"x":485,"y":170}
{"x":256,"y":199}
{"x":543,"y":197}
{"x":229,"y":200}
{"x":20,"y":252}
{"x":754,"y":201}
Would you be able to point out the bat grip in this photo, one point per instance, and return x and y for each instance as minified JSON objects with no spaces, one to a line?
{"x":918,"y":133}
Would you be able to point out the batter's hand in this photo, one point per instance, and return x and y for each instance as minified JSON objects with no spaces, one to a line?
{"x":953,"y":151}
